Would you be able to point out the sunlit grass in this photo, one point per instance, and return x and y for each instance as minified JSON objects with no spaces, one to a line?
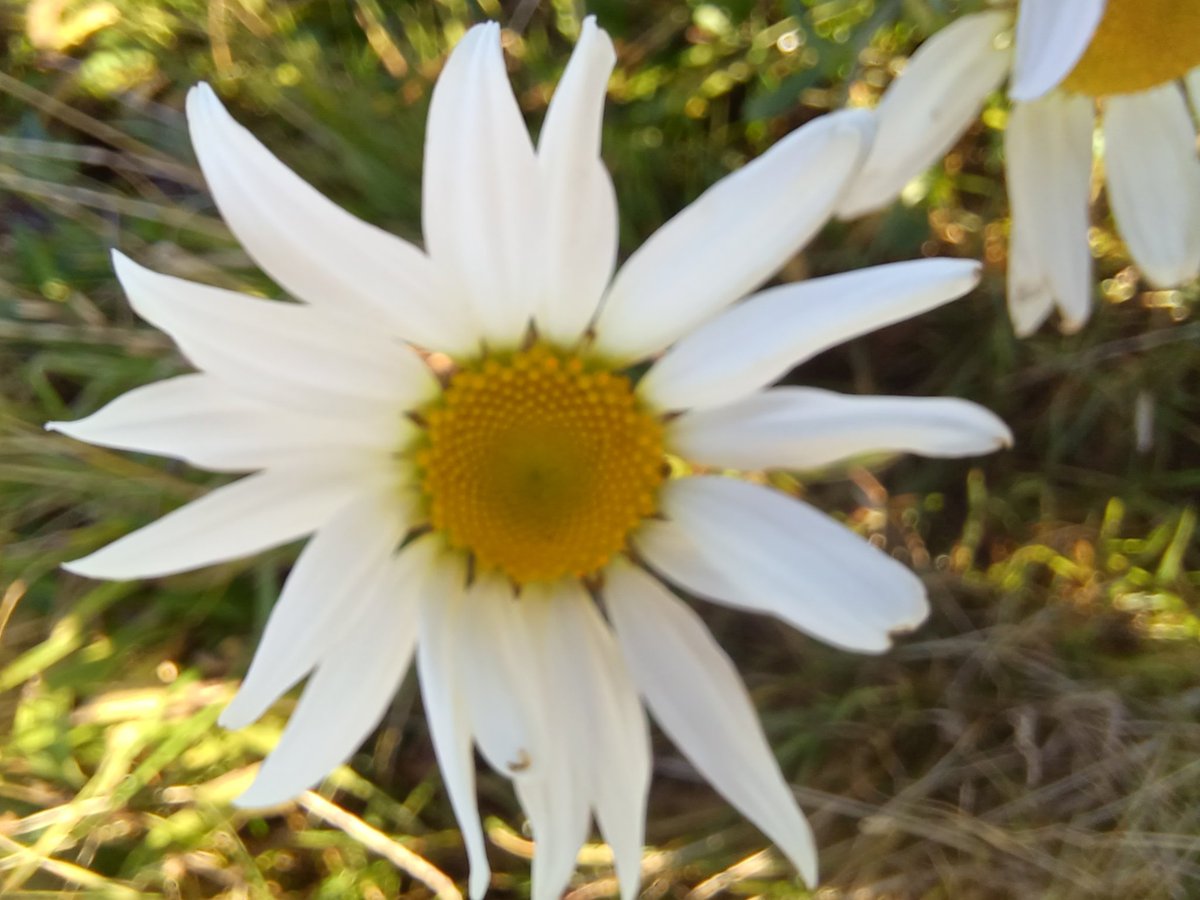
{"x":1038,"y":738}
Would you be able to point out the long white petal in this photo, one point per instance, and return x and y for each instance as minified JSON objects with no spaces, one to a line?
{"x":1153,"y":177}
{"x":481,"y":204}
{"x":581,"y":208}
{"x":1052,"y":36}
{"x":336,"y":580}
{"x":756,"y":342}
{"x":732,"y":239}
{"x":240,"y":519}
{"x":595,"y":714}
{"x":211,"y":425}
{"x":927,"y":108}
{"x":1049,"y":148}
{"x":438,"y":652}
{"x":500,"y":688}
{"x":282,"y":353}
{"x":696,"y":696}
{"x":1192,"y":83}
{"x":1029,"y":295}
{"x":346,"y":696}
{"x":805,"y":428}
{"x":317,"y":251}
{"x":780,"y":556}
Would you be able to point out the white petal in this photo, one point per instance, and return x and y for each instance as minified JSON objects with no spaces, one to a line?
{"x":240,"y":519}
{"x":481,"y":203}
{"x":500,"y":688}
{"x":1192,"y":82}
{"x":780,"y":556}
{"x":1052,"y":36}
{"x":927,"y":108}
{"x":340,"y":574}
{"x":1030,"y":298}
{"x":805,"y":428}
{"x":345,"y":698}
{"x":1049,"y":148}
{"x":581,"y":208}
{"x":211,"y":425}
{"x":756,"y":342}
{"x":594,"y":713}
{"x":438,"y":652}
{"x":1153,"y":177}
{"x":696,"y":696}
{"x":317,"y":251}
{"x":732,"y":239}
{"x":281,"y":353}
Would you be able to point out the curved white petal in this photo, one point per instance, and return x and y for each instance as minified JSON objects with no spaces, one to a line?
{"x":240,"y":519}
{"x":756,"y":342}
{"x":281,"y":353}
{"x":780,"y":556}
{"x":345,"y":698}
{"x":313,"y":248}
{"x":1052,"y":36}
{"x":438,"y":651}
{"x":1049,"y":148}
{"x":927,"y":108}
{"x":805,"y":428}
{"x":595,"y":715}
{"x":211,"y":425}
{"x":481,"y":203}
{"x":1153,"y":177}
{"x":732,"y":238}
{"x":1192,"y":83}
{"x":581,"y":209}
{"x":341,"y":573}
{"x":500,"y":686}
{"x":696,"y":696}
{"x":1028,"y":293}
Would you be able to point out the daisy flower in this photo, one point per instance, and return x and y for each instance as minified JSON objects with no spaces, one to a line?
{"x":520,"y":521}
{"x":1132,"y":62}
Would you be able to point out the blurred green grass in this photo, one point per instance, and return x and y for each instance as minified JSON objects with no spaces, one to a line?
{"x":1037,"y":738}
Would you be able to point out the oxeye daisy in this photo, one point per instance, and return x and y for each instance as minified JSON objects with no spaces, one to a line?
{"x":1133,"y":62}
{"x":519,"y":520}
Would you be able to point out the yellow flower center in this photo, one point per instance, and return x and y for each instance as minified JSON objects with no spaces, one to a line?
{"x":539,"y":464}
{"x":1138,"y":45}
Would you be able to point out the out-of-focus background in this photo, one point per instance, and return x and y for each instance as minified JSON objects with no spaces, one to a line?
{"x":1039,"y":737}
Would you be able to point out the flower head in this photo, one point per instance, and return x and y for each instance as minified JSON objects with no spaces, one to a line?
{"x":1134,"y":60}
{"x":481,"y":519}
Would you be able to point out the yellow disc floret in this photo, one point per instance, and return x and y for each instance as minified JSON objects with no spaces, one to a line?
{"x":540,"y":465}
{"x":1138,"y":45}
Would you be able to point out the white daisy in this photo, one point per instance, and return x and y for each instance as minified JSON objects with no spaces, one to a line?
{"x":1133,"y":61}
{"x":484,"y":519}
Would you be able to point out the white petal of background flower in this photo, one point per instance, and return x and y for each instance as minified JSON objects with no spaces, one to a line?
{"x":282,"y":353}
{"x":313,"y":248}
{"x":580,"y":250}
{"x":337,"y":579}
{"x":211,"y":425}
{"x":1048,"y":145}
{"x":757,"y":341}
{"x":805,"y":428}
{"x":480,"y":202}
{"x":253,"y":514}
{"x":438,"y":651}
{"x":1052,"y":36}
{"x":781,"y":556}
{"x":1153,"y":176}
{"x":927,"y":108}
{"x":694,"y":693}
{"x":732,"y":238}
{"x":344,"y":698}
{"x":597,"y":718}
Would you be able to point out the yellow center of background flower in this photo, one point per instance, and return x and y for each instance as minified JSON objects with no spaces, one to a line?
{"x":539,"y":465}
{"x":1139,"y":44}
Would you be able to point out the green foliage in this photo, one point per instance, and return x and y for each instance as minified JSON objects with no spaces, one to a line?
{"x":1038,"y":738}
